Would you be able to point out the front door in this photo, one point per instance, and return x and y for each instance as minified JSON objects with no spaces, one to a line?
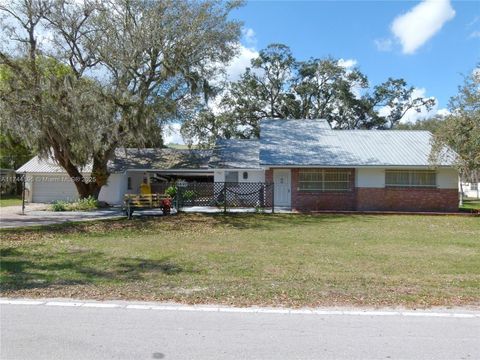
{"x":282,"y":187}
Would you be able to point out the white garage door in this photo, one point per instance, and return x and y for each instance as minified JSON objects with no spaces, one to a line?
{"x":47,"y":189}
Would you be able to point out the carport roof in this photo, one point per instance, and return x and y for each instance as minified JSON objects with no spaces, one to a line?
{"x":133,"y":159}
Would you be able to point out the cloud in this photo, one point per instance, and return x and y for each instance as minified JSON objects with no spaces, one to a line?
{"x":240,"y":62}
{"x":383,"y":44}
{"x":421,"y":23}
{"x":475,"y":34}
{"x":411,"y":116}
{"x":249,"y":36}
{"x":347,"y":64}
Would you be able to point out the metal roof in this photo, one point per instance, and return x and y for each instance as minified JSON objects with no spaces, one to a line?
{"x":314,"y":143}
{"x":236,"y":154}
{"x":132,"y":158}
{"x":38,"y":165}
{"x":160,"y":159}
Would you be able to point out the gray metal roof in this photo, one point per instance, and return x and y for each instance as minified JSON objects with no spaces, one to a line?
{"x":314,"y":143}
{"x":160,"y":159}
{"x":236,"y":154}
{"x":132,"y":158}
{"x":37,"y":165}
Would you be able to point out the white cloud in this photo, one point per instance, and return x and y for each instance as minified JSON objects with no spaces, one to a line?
{"x":240,"y":62}
{"x":421,"y":23}
{"x":475,"y":34}
{"x":443,"y":112}
{"x":249,"y":36}
{"x":171,"y":134}
{"x":383,"y":44}
{"x":411,"y":116}
{"x":347,"y":64}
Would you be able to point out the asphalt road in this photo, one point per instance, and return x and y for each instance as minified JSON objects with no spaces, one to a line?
{"x":56,"y":332}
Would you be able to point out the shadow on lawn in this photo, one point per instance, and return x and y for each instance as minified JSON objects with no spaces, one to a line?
{"x":27,"y":270}
{"x":274,"y":221}
{"x":181,"y":222}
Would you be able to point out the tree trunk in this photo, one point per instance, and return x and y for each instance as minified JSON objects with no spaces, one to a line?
{"x":98,"y":176}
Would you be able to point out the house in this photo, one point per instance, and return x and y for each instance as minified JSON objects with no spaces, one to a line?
{"x":312,"y":167}
{"x":471,"y":189}
{"x":47,"y":181}
{"x":316,"y":168}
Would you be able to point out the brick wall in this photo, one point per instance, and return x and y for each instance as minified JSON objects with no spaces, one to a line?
{"x":311,"y":201}
{"x":366,"y":199}
{"x":407,"y":199}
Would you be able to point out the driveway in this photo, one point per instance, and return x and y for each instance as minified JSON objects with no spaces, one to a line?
{"x":36,"y":215}
{"x":75,"y":330}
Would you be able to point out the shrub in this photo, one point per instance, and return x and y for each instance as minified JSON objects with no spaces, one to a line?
{"x":171,"y":191}
{"x":189,"y":195}
{"x":84,"y":204}
{"x":59,"y":205}
{"x":89,"y":203}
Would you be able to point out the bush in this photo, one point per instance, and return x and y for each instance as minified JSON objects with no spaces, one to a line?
{"x":59,"y":205}
{"x":189,"y":195}
{"x":171,"y":191}
{"x":89,"y":203}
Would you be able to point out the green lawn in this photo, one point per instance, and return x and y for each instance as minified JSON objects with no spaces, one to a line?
{"x":291,"y":260}
{"x":10,"y":200}
{"x":470,"y":205}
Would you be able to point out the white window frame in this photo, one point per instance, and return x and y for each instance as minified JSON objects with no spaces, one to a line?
{"x":410,"y":175}
{"x":322,"y":183}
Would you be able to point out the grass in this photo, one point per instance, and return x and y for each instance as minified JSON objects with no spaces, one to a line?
{"x":261,"y":259}
{"x":10,"y":200}
{"x":470,"y":205}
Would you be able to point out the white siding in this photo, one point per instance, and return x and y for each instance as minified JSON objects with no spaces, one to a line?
{"x":112,"y":193}
{"x":253,"y":175}
{"x":370,"y":178}
{"x":447,"y":178}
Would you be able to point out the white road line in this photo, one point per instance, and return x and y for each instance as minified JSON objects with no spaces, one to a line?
{"x":63,"y":303}
{"x":254,"y":310}
{"x":101,"y":305}
{"x":20,"y":302}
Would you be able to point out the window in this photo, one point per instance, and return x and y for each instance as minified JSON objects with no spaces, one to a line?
{"x":129,"y":183}
{"x":245,"y":175}
{"x":324,"y":180}
{"x":410,"y":178}
{"x":474,"y":186}
{"x":231,"y":176}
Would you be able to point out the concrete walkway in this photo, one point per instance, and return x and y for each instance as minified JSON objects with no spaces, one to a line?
{"x":36,"y":215}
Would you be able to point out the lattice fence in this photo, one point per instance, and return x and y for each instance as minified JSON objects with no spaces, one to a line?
{"x":227,"y":195}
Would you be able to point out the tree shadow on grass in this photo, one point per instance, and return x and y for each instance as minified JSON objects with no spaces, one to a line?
{"x":27,"y":269}
{"x":274,"y":221}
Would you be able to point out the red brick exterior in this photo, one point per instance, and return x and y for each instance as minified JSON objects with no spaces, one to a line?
{"x":407,"y":199}
{"x":371,"y":199}
{"x":311,"y":201}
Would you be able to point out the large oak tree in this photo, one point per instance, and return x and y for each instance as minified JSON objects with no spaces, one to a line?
{"x":80,"y":79}
{"x":277,"y":86}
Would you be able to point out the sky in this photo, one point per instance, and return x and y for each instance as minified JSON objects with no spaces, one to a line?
{"x":429,"y":43}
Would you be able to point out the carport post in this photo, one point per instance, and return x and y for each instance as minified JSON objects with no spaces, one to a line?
{"x":273,"y":198}
{"x":225,"y":198}
{"x":23,"y":192}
